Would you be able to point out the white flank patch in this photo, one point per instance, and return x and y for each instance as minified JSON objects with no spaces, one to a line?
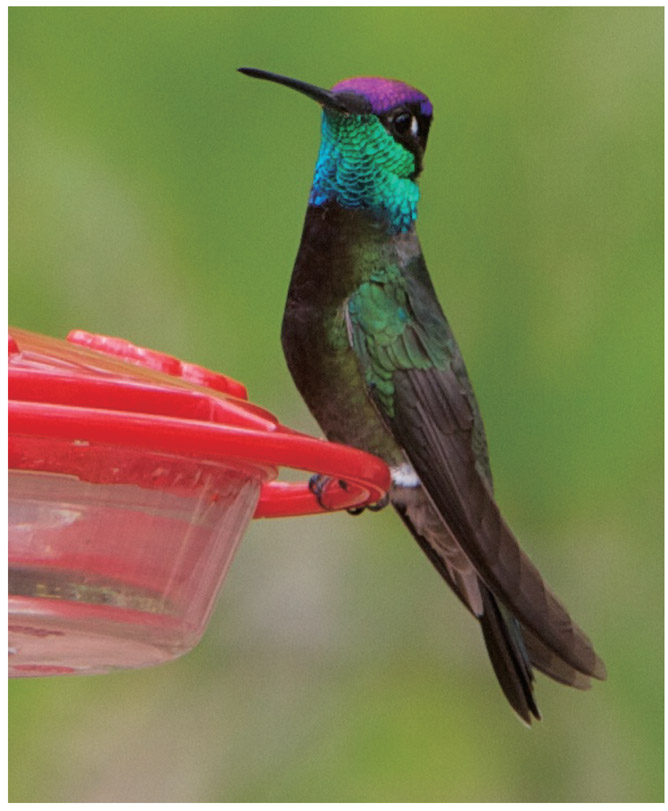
{"x":404,"y":476}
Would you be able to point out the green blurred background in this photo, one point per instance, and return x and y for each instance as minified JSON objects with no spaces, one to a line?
{"x":158,"y":195}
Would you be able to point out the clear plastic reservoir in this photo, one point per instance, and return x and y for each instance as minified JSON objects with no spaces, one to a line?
{"x":120,"y":575}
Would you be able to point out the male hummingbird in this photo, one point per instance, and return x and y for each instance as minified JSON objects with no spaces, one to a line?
{"x":375,"y":360}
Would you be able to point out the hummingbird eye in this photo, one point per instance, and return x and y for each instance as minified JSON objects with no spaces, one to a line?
{"x":403,"y":123}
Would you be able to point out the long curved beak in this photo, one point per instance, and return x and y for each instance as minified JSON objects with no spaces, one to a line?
{"x":344,"y":102}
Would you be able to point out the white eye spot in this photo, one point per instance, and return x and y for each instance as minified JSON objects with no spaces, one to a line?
{"x":414,"y":126}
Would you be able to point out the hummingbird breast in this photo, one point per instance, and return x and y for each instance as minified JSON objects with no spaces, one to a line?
{"x":340,"y":249}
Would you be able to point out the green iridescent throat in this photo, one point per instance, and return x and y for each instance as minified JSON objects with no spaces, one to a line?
{"x":360,"y":165}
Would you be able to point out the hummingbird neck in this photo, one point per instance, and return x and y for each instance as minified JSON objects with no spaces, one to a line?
{"x":361,"y":166}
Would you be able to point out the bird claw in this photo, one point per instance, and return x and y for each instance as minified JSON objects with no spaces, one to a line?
{"x":377,"y":506}
{"x":318,"y":484}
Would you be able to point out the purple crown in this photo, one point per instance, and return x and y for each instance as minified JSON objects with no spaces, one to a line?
{"x":384,"y":94}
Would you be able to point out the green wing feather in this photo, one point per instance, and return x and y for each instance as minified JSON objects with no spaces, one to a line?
{"x":387,"y":336}
{"x":417,"y":379}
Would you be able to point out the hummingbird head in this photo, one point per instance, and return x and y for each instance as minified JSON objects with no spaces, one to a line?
{"x":374,"y":135}
{"x":404,"y":111}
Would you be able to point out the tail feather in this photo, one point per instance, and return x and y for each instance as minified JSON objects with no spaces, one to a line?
{"x":509,"y":658}
{"x":502,"y":635}
{"x":435,"y":417}
{"x":545,"y":660}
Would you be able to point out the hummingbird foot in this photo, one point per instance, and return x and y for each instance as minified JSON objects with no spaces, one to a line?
{"x":374,"y":508}
{"x":318,"y":484}
{"x":359,"y":510}
{"x":377,"y":506}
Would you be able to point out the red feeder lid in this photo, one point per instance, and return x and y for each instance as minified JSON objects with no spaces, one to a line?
{"x":94,"y":388}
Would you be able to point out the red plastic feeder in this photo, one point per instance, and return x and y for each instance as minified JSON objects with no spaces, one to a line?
{"x":132,"y":477}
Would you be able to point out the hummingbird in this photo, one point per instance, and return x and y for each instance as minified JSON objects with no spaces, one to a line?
{"x":376,"y":362}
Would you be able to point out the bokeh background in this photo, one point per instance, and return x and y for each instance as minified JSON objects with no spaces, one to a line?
{"x":158,"y":195}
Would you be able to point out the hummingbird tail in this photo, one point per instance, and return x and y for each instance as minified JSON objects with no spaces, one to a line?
{"x":501,"y":632}
{"x":509,"y":657}
{"x":545,"y":660}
